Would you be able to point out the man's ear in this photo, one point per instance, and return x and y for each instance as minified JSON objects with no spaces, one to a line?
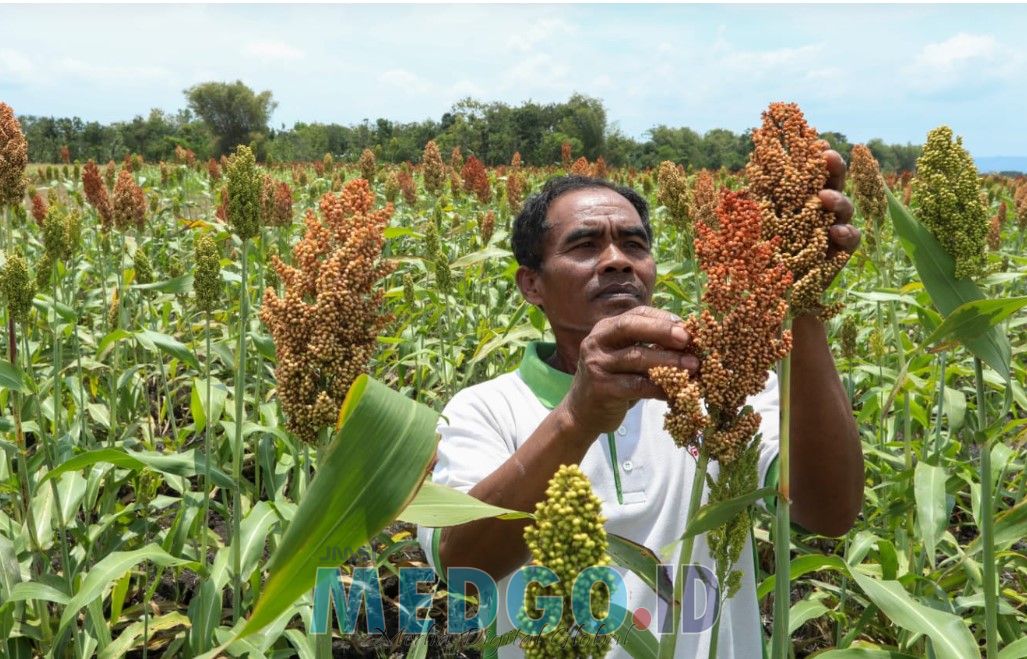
{"x":529,"y":281}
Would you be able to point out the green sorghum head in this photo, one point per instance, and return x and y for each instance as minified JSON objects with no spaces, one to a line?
{"x":244,"y":184}
{"x":17,"y":286}
{"x":207,"y":278}
{"x":567,"y":536}
{"x":946,"y":194}
{"x":142,"y":266}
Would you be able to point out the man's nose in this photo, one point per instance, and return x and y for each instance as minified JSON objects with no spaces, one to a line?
{"x":613,"y":259}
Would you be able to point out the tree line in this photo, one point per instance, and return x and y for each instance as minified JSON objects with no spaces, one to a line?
{"x":218,"y":116}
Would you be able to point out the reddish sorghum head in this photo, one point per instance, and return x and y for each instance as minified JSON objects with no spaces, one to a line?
{"x":13,"y":157}
{"x":129,"y":207}
{"x":786,"y":172}
{"x":96,"y":193}
{"x":738,"y":335}
{"x":476,"y":179}
{"x":326,"y":324}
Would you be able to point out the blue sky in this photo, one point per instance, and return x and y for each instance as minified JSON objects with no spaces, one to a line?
{"x":867,"y":71}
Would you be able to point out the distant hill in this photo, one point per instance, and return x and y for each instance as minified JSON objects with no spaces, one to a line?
{"x":989,"y":164}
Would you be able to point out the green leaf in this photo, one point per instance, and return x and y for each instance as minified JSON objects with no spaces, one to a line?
{"x":929,"y":491}
{"x":714,"y":515}
{"x":255,"y":529}
{"x":149,"y":339}
{"x":639,"y":643}
{"x":802,"y":565}
{"x":936,"y":269}
{"x":1010,"y":526}
{"x":186,"y":464}
{"x":972,"y":319}
{"x":863,"y":653}
{"x":370,"y":472}
{"x":489,"y":253}
{"x":950,"y":637}
{"x":31,"y":590}
{"x":1015,"y":650}
{"x":11,"y":377}
{"x":181,"y":285}
{"x":127,"y":640}
{"x":108,"y":570}
{"x":438,"y":505}
{"x":804,"y":611}
{"x":638,"y":558}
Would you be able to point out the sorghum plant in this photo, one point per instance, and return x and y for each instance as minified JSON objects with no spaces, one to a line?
{"x":434,"y":170}
{"x":367,"y":165}
{"x":786,"y":173}
{"x":868,"y":192}
{"x":326,"y":324}
{"x":567,"y":536}
{"x":946,"y":192}
{"x":476,"y":179}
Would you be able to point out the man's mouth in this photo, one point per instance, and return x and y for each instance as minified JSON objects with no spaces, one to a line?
{"x":619,"y":291}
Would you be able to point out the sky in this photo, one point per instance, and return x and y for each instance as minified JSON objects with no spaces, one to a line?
{"x":888,"y":71}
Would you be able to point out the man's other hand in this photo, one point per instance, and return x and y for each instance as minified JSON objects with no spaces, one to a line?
{"x":614,"y":361}
{"x":843,"y":236}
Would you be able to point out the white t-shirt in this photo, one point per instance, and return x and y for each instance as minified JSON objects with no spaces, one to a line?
{"x":489,"y":421}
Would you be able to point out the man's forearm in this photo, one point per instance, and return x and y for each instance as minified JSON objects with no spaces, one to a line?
{"x":826,"y":456}
{"x":497,"y":546}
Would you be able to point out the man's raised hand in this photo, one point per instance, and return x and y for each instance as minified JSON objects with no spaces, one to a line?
{"x":614,"y":361}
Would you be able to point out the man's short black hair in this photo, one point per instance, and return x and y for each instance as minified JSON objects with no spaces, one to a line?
{"x":530,"y":227}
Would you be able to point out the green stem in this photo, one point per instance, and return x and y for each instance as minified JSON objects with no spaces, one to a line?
{"x":987,"y":518}
{"x":782,"y":527}
{"x":206,"y":447}
{"x":240,"y":394}
{"x":941,"y":409}
{"x":668,"y":642}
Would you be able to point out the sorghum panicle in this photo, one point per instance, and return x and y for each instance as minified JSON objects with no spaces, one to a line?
{"x":142,"y":266}
{"x":581,"y":167}
{"x":39,"y":207}
{"x":275,"y":202}
{"x":326,"y":325}
{"x":515,"y":184}
{"x":868,"y":192}
{"x":476,"y":179}
{"x":946,"y":192}
{"x":243,"y":185}
{"x":14,"y":157}
{"x":213,"y":170}
{"x":703,"y":206}
{"x":434,"y":170}
{"x":737,"y":336}
{"x":367,"y":165}
{"x":567,"y":536}
{"x":565,"y":154}
{"x":786,"y":172}
{"x":207,"y":280}
{"x":17,"y":286}
{"x":673,"y":193}
{"x":129,"y":207}
{"x":486,"y":225}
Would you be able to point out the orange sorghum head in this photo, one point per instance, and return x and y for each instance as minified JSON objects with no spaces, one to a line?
{"x":737,"y":335}
{"x":476,"y":179}
{"x":96,"y":193}
{"x":326,"y":324}
{"x":129,"y":207}
{"x":434,"y":170}
{"x":14,"y":157}
{"x":786,"y":172}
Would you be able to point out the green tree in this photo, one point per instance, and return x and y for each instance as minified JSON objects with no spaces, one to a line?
{"x":233,"y":112}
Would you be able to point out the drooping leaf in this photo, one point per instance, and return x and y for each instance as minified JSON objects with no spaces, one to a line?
{"x":371,"y":471}
{"x":713,"y":515}
{"x":950,"y":637}
{"x":929,"y":492}
{"x":936,"y":269}
{"x":186,"y":464}
{"x":438,"y":505}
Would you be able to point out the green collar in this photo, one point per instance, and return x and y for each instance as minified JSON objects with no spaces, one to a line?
{"x":547,"y":383}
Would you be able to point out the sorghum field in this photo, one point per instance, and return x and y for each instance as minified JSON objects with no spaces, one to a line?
{"x":178,"y":339}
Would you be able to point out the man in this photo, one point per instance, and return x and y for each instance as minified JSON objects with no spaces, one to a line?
{"x":584,"y":250}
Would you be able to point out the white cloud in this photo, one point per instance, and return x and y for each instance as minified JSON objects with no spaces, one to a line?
{"x":405,"y":80}
{"x":15,"y":64}
{"x":103,"y":73}
{"x":540,"y":31}
{"x":963,"y":63}
{"x":273,"y":51}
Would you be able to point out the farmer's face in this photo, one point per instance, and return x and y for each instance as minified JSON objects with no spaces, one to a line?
{"x":596,"y":261}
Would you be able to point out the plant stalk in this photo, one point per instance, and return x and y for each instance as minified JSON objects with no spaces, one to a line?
{"x":240,"y":391}
{"x":782,"y":527}
{"x":987,"y":519}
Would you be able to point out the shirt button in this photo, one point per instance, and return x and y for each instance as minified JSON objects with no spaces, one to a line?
{"x":622,"y":431}
{"x":628,"y":465}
